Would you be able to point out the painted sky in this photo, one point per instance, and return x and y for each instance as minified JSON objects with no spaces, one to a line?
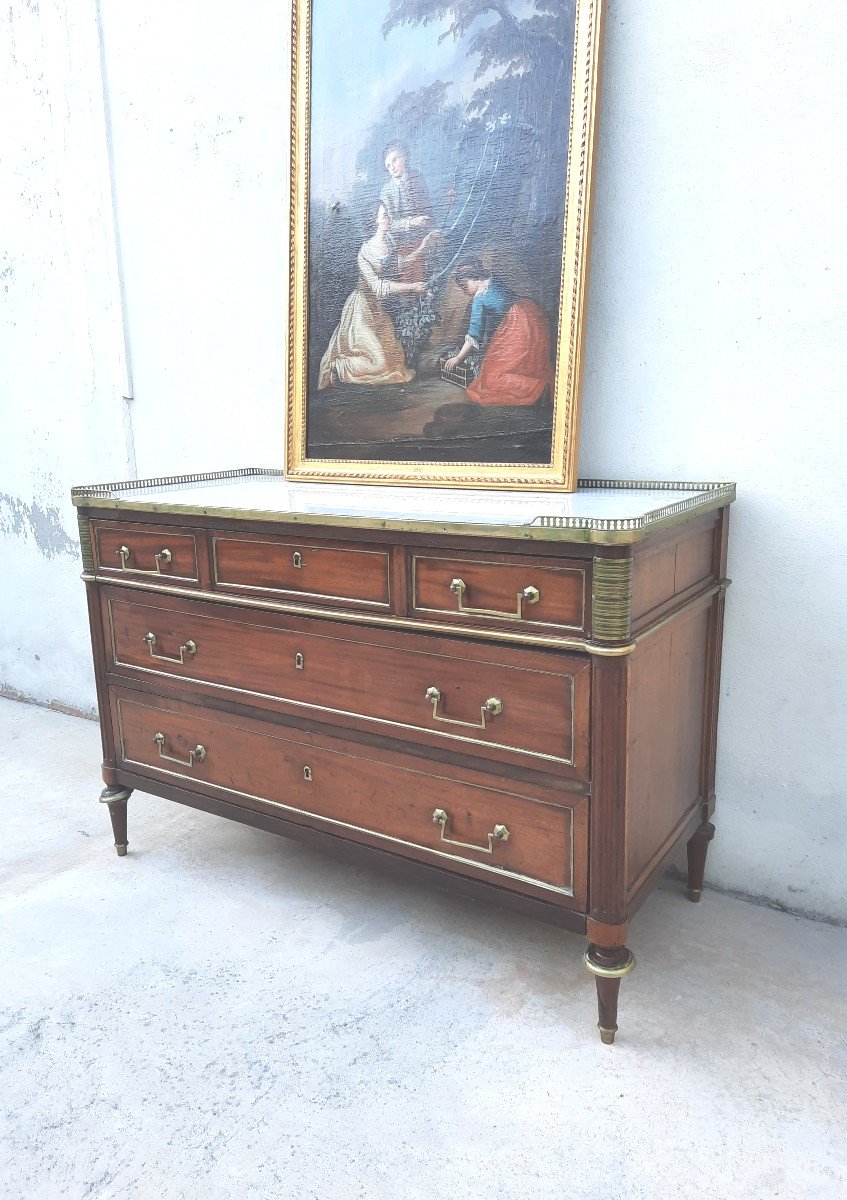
{"x":356,"y":73}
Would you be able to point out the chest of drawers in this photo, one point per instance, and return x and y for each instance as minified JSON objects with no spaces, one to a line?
{"x":512,"y":696}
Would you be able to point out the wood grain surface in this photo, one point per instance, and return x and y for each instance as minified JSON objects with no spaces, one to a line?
{"x":494,"y":582}
{"x":364,"y":677}
{"x":376,"y":796}
{"x":301,"y":568}
{"x":144,"y":542}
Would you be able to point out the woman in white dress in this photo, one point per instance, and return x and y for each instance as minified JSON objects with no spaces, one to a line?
{"x":364,"y":348}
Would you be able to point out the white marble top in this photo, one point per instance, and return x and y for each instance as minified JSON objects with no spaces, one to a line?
{"x":597,"y":505}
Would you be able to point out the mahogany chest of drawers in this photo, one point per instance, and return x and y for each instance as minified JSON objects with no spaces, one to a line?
{"x":512,"y":695}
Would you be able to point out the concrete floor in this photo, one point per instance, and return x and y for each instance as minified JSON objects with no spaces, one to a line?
{"x":226,"y":1014}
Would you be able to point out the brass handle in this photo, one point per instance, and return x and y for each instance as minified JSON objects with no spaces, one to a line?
{"x":530,"y":595}
{"x":163,"y":556}
{"x":492,"y":708}
{"x":498,"y":834}
{"x":195,"y":755}
{"x":188,"y":647}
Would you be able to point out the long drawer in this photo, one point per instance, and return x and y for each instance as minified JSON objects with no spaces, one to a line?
{"x":511,"y":834}
{"x":528,"y":707}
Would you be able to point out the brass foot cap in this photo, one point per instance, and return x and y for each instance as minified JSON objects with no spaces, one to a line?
{"x":607,"y":1036}
{"x":694,"y":895}
{"x":121,"y":849}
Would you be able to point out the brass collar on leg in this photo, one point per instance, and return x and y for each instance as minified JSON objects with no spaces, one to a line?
{"x":115,"y":795}
{"x":610,"y":972}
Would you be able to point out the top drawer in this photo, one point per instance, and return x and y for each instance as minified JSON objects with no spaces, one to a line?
{"x":154,"y":552}
{"x":302,"y":570}
{"x":497,"y":589}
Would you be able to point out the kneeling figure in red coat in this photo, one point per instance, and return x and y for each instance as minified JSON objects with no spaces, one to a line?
{"x":516,"y":367}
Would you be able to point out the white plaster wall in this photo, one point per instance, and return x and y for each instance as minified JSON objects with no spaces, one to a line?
{"x":199,"y":104}
{"x":717,"y":348}
{"x":59,"y":343}
{"x":716,"y":339}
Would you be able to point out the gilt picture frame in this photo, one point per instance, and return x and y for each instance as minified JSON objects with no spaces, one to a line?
{"x":442,"y":161}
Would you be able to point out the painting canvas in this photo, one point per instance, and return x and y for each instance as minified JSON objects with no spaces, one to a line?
{"x":441,"y":174}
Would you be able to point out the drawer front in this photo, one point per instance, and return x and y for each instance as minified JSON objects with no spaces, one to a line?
{"x":506,"y":704}
{"x":150,"y":552}
{"x":302,"y":570}
{"x":509,"y":834}
{"x":496,"y":589}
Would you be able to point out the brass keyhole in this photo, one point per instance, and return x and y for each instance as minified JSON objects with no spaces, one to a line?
{"x":299,"y":662}
{"x":307,"y":774}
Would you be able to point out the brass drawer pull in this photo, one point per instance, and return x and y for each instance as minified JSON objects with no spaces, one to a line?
{"x":188,"y":647}
{"x":492,"y":708}
{"x":195,"y":755}
{"x":498,"y":834}
{"x":530,"y":595}
{"x":164,"y":556}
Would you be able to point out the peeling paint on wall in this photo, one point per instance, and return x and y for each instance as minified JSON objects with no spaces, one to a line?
{"x":7,"y":271}
{"x":43,"y":524}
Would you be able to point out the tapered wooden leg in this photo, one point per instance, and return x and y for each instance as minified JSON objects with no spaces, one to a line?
{"x":608,"y":966}
{"x":116,"y":799}
{"x":698,"y":846}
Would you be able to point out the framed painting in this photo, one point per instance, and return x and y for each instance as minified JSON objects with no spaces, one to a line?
{"x":442,"y":160}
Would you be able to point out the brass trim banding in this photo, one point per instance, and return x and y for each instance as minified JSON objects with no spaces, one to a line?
{"x":81,"y":493}
{"x":696,"y":602}
{"x":611,"y":599}
{"x":85,"y":543}
{"x":354,"y":618}
{"x":401,"y":623}
{"x":591,"y":530}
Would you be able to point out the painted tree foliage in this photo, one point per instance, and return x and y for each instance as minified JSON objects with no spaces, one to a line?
{"x":495,"y":165}
{"x":524,"y":74}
